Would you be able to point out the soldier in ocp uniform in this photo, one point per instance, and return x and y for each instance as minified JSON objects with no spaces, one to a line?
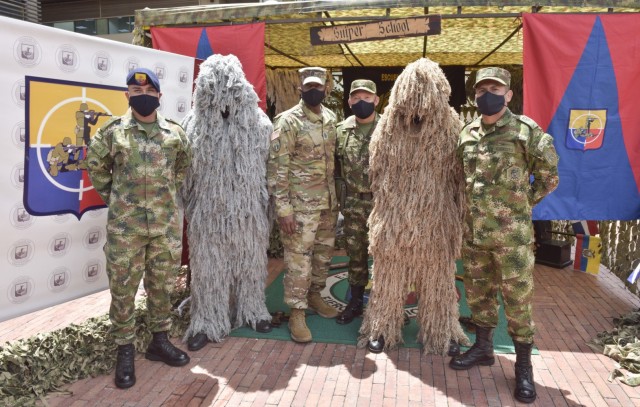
{"x":354,"y":188}
{"x":300,"y":176}
{"x":510,"y":165}
{"x":137,"y":164}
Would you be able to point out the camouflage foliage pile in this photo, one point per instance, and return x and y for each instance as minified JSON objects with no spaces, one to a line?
{"x":416,"y":223}
{"x":226,"y":201}
{"x":34,"y":367}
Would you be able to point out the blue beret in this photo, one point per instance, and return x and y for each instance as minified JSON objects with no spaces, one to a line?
{"x":143,"y":76}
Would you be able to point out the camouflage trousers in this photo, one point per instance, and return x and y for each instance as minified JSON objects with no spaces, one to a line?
{"x":307,"y":255}
{"x":128,"y":259}
{"x":356,"y":213}
{"x":508,"y":270}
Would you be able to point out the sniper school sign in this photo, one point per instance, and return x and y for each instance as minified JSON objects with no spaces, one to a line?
{"x":379,"y":30}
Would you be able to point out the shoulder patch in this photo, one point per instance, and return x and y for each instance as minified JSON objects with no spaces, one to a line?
{"x":275,"y":146}
{"x":275,"y":135}
{"x":528,"y":121}
{"x":113,"y":120}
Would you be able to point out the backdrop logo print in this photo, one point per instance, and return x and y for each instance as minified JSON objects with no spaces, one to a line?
{"x":20,"y":289}
{"x":27,"y":52}
{"x":161,"y":72}
{"x":183,"y":76}
{"x":102,"y":64}
{"x":93,"y":239}
{"x":586,"y":129}
{"x":92,"y":270}
{"x":19,"y":93}
{"x":20,"y":218}
{"x":17,"y":176}
{"x":130,"y":64}
{"x":21,"y":252}
{"x":59,"y":279}
{"x":67,"y":58}
{"x":63,"y":117}
{"x":181,"y":107}
{"x":60,"y":244}
{"x":19,"y":135}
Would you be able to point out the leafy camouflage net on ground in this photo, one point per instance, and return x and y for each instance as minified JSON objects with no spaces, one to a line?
{"x":622,"y":344}
{"x":34,"y":367}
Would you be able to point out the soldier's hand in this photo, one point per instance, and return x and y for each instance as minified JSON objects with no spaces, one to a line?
{"x":287,"y":224}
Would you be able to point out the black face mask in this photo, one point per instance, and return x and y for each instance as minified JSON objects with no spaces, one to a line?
{"x":313,"y":97}
{"x":144,"y":104}
{"x":490,"y":103}
{"x":363,"y":109}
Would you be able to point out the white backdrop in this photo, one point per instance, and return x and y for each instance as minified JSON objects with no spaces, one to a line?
{"x":52,"y":227}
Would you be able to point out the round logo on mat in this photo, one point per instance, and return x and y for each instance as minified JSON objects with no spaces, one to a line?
{"x":336,"y":293}
{"x":93,"y":238}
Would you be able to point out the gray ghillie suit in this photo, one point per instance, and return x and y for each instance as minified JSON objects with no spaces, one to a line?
{"x":226,"y":201}
{"x":415,"y":227}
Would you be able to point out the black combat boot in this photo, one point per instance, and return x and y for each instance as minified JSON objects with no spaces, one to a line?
{"x":354,"y":307}
{"x":125,"y":369}
{"x":454,"y":348}
{"x":525,"y":386}
{"x":160,"y":349}
{"x":376,"y":345}
{"x":481,"y":353}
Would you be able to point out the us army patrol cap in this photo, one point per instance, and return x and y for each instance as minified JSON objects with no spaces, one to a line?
{"x":363,"y":84}
{"x":313,"y":75}
{"x":495,"y":74}
{"x":143,"y":76}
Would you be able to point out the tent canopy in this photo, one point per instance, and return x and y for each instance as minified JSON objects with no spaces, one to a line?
{"x":473,"y":33}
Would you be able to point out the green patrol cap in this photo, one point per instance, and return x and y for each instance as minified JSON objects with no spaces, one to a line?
{"x":313,"y":74}
{"x":495,"y":74}
{"x":363,"y":84}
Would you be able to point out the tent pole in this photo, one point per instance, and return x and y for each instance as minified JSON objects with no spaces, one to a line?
{"x":498,"y":47}
{"x":326,"y":13}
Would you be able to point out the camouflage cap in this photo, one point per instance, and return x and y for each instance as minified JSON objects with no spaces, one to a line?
{"x":495,"y":74}
{"x":313,"y":74}
{"x":143,"y":76}
{"x":363,"y":84}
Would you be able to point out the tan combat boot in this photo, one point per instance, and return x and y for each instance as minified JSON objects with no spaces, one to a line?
{"x":298,"y":326}
{"x":316,"y":303}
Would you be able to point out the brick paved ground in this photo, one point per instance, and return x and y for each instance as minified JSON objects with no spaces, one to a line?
{"x":570,"y":308}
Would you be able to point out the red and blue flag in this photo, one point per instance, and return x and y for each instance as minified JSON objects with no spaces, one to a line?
{"x":581,"y":80}
{"x":245,"y":41}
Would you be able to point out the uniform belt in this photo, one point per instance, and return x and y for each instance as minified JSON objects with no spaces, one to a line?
{"x":364,"y":196}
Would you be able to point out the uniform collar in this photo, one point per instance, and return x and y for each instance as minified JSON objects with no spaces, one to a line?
{"x":130,"y":121}
{"x":502,"y":121}
{"x":351,"y":123}
{"x":313,"y":117}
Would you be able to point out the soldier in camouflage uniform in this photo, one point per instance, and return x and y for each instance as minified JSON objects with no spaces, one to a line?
{"x":510,"y":165}
{"x":137,"y":163}
{"x":354,"y":189}
{"x":300,"y":177}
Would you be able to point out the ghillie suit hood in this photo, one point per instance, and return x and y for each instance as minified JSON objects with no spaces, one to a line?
{"x":225,"y":200}
{"x":415,"y":227}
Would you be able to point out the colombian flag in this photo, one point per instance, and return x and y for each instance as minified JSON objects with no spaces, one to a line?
{"x":245,"y":41}
{"x":581,"y":84}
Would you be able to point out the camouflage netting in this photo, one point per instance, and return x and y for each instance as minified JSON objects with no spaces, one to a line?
{"x":467,"y":35}
{"x":34,"y":367}
{"x":622,"y":344}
